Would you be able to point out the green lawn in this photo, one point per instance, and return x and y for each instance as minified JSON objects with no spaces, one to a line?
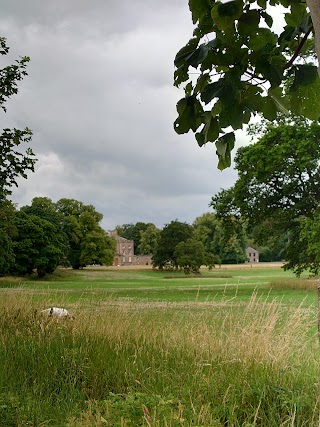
{"x":153,"y":285}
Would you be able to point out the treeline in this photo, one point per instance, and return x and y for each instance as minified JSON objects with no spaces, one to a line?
{"x":40,"y":237}
{"x":208,"y":241}
{"x":44,"y":235}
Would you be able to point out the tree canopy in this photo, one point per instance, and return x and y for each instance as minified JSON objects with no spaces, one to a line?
{"x":190,"y":255}
{"x":278,"y":186}
{"x":41,"y":236}
{"x":39,"y":245}
{"x":149,"y":240}
{"x":13,"y":163}
{"x":88,"y":242}
{"x":170,"y":236}
{"x":236,"y":66}
{"x":224,"y":242}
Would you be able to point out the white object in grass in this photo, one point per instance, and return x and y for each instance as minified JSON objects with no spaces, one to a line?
{"x":56,"y":312}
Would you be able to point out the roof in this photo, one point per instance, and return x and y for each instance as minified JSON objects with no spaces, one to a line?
{"x":250,"y":249}
{"x":122,"y":239}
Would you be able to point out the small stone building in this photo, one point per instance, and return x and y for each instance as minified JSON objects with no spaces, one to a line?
{"x":252,"y":255}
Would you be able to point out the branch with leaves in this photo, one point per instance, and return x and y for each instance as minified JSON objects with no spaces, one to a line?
{"x":256,"y":71}
{"x":13,"y":163}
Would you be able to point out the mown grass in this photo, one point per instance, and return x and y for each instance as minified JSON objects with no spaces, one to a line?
{"x":231,"y":360}
{"x":164,"y":285}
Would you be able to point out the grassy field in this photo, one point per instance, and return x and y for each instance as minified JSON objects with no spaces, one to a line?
{"x":235,"y":346}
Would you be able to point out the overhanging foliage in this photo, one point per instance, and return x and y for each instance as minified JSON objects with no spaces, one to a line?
{"x":236,"y":66}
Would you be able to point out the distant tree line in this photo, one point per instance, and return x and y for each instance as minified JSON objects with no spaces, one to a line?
{"x":211,"y":240}
{"x":40,"y":237}
{"x":44,"y":235}
{"x":208,"y":241}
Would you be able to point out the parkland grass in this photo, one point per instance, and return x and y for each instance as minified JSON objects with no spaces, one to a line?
{"x":233,"y":347}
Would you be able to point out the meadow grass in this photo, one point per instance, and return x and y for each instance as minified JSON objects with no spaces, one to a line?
{"x":129,"y":361}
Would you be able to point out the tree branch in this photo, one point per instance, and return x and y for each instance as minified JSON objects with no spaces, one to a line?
{"x":298,"y":50}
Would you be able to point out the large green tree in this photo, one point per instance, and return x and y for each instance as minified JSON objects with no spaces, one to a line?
{"x":224,"y":241}
{"x":88,"y":242}
{"x":190,"y":255}
{"x":245,"y":68}
{"x":149,"y":240}
{"x":13,"y":163}
{"x":97,"y":248}
{"x":170,"y":236}
{"x":207,"y":229}
{"x":274,"y":192}
{"x":38,"y":245}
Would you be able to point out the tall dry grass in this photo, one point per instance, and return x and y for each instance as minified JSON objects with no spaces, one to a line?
{"x":236,"y":364}
{"x":305,"y":284}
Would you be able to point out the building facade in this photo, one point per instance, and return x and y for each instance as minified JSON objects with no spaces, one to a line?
{"x":125,"y":250}
{"x":252,"y":255}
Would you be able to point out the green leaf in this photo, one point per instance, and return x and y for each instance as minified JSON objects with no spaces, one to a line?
{"x":188,"y":89}
{"x":190,"y":111}
{"x":199,"y":9}
{"x":251,"y":17}
{"x":202,"y":82}
{"x":274,"y":73}
{"x":224,"y":146}
{"x":186,"y":52}
{"x":297,"y":14}
{"x":304,"y":75}
{"x":182,"y":123}
{"x":180,"y":75}
{"x":291,"y":33}
{"x":224,"y":14}
{"x":305,"y":100}
{"x":232,"y":115}
{"x":198,"y":55}
{"x":211,"y":129}
{"x":269,"y":108}
{"x":253,"y":100}
{"x":211,"y":91}
{"x":262,"y":3}
{"x":200,"y":138}
{"x":261,"y":38}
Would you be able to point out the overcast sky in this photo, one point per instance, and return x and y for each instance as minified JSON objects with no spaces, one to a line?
{"x":100,"y":101}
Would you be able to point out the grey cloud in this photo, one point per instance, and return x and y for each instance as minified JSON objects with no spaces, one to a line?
{"x":100,"y":100}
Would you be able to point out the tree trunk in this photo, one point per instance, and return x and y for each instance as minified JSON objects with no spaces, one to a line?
{"x":314,"y":7}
